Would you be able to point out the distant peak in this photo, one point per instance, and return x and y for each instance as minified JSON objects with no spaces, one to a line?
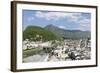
{"x":51,"y":25}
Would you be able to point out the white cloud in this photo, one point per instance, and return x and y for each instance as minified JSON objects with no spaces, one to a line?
{"x":77,"y":18}
{"x":85,"y":22}
{"x":58,"y":15}
{"x":30,"y":18}
{"x":63,"y":27}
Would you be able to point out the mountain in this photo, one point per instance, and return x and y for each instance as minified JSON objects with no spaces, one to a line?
{"x":38,"y":33}
{"x":70,"y":34}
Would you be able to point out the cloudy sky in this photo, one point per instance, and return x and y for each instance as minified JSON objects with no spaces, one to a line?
{"x":65,"y":20}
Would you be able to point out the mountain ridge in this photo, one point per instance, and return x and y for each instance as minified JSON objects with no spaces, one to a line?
{"x":51,"y":25}
{"x":52,"y":32}
{"x":70,"y":34}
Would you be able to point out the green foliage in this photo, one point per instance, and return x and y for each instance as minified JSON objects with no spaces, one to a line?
{"x":35,"y":33}
{"x":51,"y":32}
{"x":30,"y":52}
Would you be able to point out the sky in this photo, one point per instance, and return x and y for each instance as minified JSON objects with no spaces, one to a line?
{"x":61,"y":19}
